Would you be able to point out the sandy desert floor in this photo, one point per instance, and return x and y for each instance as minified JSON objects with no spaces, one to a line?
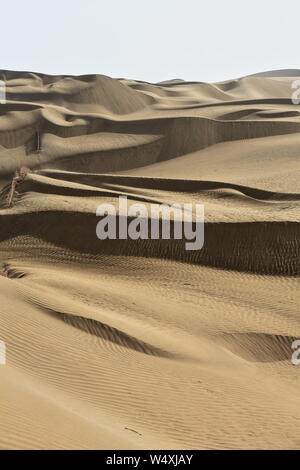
{"x":141,"y":344}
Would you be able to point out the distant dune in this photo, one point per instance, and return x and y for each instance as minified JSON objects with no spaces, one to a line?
{"x":141,"y":344}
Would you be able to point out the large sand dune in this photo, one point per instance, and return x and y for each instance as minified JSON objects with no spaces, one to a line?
{"x":141,"y":344}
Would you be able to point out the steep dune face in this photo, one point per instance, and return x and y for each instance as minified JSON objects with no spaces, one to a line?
{"x":141,"y":343}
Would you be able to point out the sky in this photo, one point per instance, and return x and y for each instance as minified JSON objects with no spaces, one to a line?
{"x":154,"y":40}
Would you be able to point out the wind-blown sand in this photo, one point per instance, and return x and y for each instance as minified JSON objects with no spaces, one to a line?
{"x":142,"y":344}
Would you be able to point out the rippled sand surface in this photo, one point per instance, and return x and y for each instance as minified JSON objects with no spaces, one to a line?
{"x":124,"y":344}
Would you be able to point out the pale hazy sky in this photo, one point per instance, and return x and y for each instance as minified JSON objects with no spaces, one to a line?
{"x":154,"y":40}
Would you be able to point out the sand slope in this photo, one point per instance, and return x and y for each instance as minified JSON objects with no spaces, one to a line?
{"x":142,"y":344}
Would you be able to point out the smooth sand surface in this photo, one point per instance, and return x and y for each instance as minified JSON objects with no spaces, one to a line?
{"x":124,"y":344}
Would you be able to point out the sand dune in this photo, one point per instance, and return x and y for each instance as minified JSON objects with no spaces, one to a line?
{"x":130,"y":344}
